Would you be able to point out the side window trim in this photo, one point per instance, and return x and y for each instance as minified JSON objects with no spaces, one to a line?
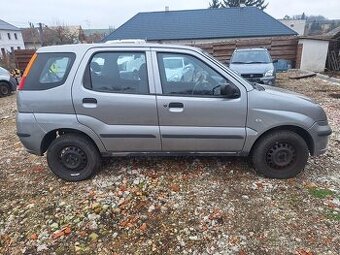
{"x":87,"y":82}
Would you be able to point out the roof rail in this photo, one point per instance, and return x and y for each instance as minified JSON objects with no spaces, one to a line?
{"x":136,"y":41}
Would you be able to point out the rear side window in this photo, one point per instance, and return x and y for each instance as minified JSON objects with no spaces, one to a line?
{"x":118,"y":72}
{"x":50,"y":70}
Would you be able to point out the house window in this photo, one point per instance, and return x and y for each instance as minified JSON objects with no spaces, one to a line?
{"x":15,"y":36}
{"x":9,"y":36}
{"x":19,"y":48}
{"x":0,"y":36}
{"x":12,"y":49}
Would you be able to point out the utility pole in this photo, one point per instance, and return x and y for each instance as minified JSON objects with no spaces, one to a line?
{"x":41,"y":34}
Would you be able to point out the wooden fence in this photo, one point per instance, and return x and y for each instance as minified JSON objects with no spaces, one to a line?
{"x":22,"y":57}
{"x":279,"y":47}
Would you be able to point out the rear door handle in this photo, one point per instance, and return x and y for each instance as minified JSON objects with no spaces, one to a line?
{"x":176,"y":107}
{"x":89,"y":102}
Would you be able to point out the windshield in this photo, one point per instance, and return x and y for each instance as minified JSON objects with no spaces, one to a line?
{"x":250,"y":57}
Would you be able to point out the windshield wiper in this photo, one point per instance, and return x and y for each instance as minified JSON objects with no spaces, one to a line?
{"x":256,"y":62}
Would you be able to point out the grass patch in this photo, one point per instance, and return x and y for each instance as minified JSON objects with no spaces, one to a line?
{"x":320,"y":193}
{"x":333,"y":215}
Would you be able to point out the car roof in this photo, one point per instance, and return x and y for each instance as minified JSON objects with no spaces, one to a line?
{"x":250,"y":49}
{"x":84,"y":47}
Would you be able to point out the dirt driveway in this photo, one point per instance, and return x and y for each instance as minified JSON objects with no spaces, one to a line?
{"x":182,"y":205}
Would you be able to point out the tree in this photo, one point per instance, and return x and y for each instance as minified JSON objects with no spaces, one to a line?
{"x":214,"y":4}
{"x":236,"y":3}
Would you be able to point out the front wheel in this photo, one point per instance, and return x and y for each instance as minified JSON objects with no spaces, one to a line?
{"x":4,"y":89}
{"x":73,"y":157}
{"x":280,"y":154}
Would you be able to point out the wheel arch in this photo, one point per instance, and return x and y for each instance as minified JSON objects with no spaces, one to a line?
{"x":52,"y":135}
{"x":296,"y":129}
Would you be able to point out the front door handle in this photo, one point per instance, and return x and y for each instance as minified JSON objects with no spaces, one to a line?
{"x":89,"y":102}
{"x":176,"y":107}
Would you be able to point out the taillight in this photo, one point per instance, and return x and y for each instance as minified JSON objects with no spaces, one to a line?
{"x":27,"y":71}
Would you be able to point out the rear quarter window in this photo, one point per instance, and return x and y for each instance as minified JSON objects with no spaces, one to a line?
{"x":50,"y":70}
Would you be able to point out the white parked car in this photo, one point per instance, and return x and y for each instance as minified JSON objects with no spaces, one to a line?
{"x":7,"y":83}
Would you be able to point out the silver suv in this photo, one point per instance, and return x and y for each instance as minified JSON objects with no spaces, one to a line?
{"x":254,"y":64}
{"x":79,"y":103}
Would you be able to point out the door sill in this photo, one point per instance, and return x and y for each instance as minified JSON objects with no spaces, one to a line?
{"x":170,"y":154}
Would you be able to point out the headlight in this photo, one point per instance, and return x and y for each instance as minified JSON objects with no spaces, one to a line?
{"x":269,"y":73}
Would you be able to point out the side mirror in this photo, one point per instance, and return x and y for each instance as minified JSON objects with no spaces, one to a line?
{"x":230,"y":91}
{"x":275,"y":61}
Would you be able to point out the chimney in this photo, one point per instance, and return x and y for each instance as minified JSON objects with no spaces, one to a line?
{"x":242,"y":3}
{"x":167,"y":8}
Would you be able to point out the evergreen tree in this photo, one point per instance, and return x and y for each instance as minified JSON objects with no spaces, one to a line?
{"x":214,"y":4}
{"x":236,"y":3}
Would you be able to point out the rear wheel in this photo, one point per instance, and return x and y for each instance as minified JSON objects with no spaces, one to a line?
{"x":4,"y":89}
{"x":73,"y":157}
{"x":280,"y":154}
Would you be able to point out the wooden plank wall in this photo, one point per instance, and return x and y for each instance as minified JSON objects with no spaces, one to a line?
{"x":279,"y":47}
{"x":22,"y":57}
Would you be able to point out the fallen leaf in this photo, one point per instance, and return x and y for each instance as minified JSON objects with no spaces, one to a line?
{"x":143,"y":227}
{"x":57,"y":234}
{"x":175,"y":188}
{"x":34,"y":237}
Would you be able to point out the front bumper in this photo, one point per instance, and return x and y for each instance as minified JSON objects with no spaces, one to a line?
{"x":14,"y":83}
{"x":320,"y":132}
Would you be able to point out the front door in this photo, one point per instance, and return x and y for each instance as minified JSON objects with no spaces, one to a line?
{"x":193,"y":116}
{"x":112,"y":96}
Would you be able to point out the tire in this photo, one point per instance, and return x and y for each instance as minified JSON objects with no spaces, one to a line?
{"x":4,"y":89}
{"x":73,"y":157}
{"x":280,"y":155}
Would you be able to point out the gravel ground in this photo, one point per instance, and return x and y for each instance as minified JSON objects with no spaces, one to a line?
{"x":182,"y":205}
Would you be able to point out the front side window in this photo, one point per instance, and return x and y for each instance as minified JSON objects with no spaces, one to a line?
{"x":183,"y":74}
{"x":118,"y":72}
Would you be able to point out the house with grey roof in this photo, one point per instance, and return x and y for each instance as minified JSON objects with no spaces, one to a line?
{"x":10,"y":38}
{"x":205,"y":25}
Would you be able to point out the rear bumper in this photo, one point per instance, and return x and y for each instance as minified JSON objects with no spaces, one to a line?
{"x":320,"y":132}
{"x":29,"y":132}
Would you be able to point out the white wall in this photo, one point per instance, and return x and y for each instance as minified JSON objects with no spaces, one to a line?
{"x":314,"y":54}
{"x":298,"y":25}
{"x":6,"y":43}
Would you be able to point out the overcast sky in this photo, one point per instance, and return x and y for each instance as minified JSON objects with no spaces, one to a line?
{"x":106,"y":13}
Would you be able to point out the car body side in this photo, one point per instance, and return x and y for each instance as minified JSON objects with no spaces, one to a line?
{"x":40,"y":120}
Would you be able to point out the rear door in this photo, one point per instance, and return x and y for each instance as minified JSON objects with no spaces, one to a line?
{"x":193,"y":116}
{"x":114,"y":96}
